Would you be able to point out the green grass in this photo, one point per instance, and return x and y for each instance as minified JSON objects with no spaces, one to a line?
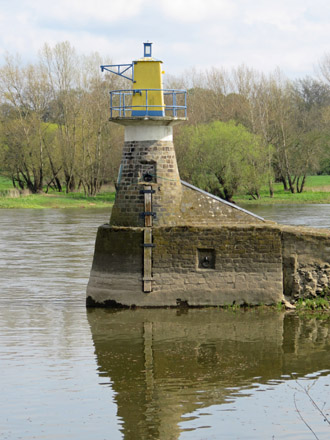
{"x":5,"y":183}
{"x":317,"y":190}
{"x":314,"y":304}
{"x":52,"y":199}
{"x":318,"y":181}
{"x":316,"y":308}
{"x":59,"y":200}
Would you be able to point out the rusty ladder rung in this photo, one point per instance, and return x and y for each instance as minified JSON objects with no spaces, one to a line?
{"x":147,"y":240}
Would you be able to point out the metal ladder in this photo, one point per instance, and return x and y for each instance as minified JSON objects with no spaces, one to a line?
{"x":148,"y":215}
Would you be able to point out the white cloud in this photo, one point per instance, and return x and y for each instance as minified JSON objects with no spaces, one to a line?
{"x":263,"y":34}
{"x":285,"y":16}
{"x":197,"y":10}
{"x":79,"y":11}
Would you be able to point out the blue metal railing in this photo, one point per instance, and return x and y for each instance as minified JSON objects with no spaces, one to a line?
{"x":175,"y":103}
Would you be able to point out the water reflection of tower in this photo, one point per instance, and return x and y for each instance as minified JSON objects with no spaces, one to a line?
{"x":159,"y":362}
{"x":163,"y":364}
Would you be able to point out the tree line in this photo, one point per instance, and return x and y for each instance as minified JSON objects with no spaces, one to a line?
{"x":54,"y":122}
{"x":245,"y":129}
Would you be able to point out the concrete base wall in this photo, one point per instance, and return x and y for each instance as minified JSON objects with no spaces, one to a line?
{"x":245,"y":266}
{"x":253,"y":264}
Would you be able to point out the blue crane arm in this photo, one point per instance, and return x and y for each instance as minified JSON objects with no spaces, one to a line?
{"x":120,"y":69}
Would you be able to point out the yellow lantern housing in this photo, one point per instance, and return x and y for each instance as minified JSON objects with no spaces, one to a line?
{"x":148,"y":97}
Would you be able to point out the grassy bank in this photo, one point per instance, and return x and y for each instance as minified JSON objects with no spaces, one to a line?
{"x":76,"y":200}
{"x":53,"y":199}
{"x":5,"y":184}
{"x":317,"y":190}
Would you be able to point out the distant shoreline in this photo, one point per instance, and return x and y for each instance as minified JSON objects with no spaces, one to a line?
{"x":106,"y":200}
{"x":317,"y":191}
{"x":57,"y":201}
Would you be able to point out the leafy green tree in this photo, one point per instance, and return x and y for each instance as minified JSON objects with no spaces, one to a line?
{"x":222,"y":158}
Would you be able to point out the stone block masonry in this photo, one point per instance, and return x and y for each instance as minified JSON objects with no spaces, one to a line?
{"x":157,"y":160}
{"x":247,"y":267}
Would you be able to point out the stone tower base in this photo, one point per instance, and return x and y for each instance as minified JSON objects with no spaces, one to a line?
{"x":252,"y":264}
{"x":191,"y":266}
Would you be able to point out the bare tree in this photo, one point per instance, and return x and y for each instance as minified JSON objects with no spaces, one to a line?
{"x":24,"y":90}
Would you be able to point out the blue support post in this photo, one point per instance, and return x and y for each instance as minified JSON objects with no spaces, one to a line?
{"x":174,"y":104}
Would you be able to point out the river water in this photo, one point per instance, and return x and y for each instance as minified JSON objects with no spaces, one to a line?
{"x":72,"y":373}
{"x":316,"y":215}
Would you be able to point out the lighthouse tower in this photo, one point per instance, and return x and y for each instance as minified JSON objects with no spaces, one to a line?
{"x":148,"y":191}
{"x":148,"y":185}
{"x":168,"y":243}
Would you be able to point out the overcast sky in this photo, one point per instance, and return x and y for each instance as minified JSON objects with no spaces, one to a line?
{"x":264,"y":34}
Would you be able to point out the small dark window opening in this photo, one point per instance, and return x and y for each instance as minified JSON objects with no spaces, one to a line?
{"x":147,"y":172}
{"x":206,"y":258}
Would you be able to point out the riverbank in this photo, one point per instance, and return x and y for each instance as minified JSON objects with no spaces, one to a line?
{"x":58,"y":201}
{"x":12,"y":198}
{"x":317,"y":190}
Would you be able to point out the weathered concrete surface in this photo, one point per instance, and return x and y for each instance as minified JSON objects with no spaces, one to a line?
{"x":199,"y":208}
{"x":117,"y":266}
{"x":247,"y":268}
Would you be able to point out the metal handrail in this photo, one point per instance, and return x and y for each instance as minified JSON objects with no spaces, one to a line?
{"x":120,"y":108}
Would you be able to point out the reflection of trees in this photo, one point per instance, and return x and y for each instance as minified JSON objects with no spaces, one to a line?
{"x":163,"y":365}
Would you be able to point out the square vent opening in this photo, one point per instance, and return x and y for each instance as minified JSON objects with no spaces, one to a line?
{"x":206,"y":258}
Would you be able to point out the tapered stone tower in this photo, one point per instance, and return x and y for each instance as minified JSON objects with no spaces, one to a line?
{"x":148,"y":166}
{"x":148,"y":172}
{"x":169,"y":243}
